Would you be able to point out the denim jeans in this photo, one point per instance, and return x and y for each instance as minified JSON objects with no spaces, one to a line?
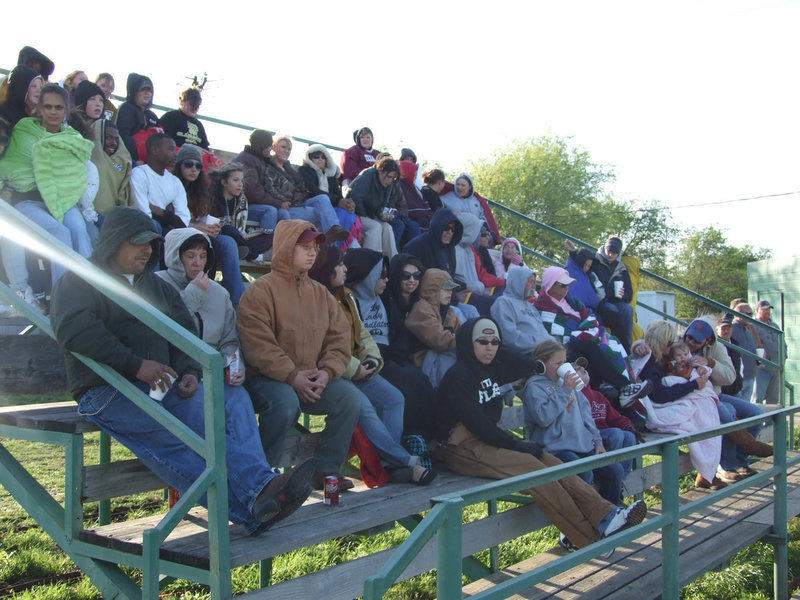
{"x":14,"y":263}
{"x":318,"y":210}
{"x":609,"y":478}
{"x":72,"y":232}
{"x":746,"y":393}
{"x":732,"y":409}
{"x":173,"y":461}
{"x":266,"y":215}
{"x":615,"y":438}
{"x":227,"y":255}
{"x":381,"y":419}
{"x":618,"y":316}
{"x":766,"y":387}
{"x":278,"y":408}
{"x":404,"y":231}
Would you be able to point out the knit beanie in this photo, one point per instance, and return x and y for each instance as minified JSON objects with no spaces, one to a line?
{"x":260,"y":139}
{"x":189,"y":152}
{"x":85,"y":90}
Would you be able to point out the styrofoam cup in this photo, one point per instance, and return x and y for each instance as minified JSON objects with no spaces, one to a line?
{"x":568,"y":368}
{"x":618,"y":289}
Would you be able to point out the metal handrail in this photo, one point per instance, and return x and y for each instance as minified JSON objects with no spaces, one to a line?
{"x":449,"y":566}
{"x":211,"y":447}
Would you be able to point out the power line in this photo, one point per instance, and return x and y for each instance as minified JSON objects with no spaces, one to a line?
{"x":735,"y":200}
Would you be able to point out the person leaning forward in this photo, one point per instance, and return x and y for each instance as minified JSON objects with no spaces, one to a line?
{"x":296,"y":345}
{"x":87,"y":322}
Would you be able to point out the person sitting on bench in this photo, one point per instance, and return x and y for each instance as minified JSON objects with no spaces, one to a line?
{"x":87,"y":322}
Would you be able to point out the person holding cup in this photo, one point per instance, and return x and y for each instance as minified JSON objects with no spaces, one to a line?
{"x":616,"y":293}
{"x":560,"y":418}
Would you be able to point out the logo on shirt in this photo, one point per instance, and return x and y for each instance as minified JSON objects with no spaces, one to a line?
{"x":488,"y":391}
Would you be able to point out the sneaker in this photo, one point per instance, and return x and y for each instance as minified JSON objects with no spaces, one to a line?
{"x":728,"y":476}
{"x":703,"y":483}
{"x":746,"y":472}
{"x":564,"y":542}
{"x":633,"y":391}
{"x":626,"y":517}
{"x":284,"y":494}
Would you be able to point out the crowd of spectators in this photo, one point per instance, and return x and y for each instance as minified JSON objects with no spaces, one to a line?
{"x":386,"y":299}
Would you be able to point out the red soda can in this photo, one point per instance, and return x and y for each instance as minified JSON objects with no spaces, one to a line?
{"x":331,"y":490}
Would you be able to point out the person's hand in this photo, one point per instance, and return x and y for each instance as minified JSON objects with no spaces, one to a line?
{"x":188,"y":386}
{"x":641,"y":350}
{"x":702,"y":381}
{"x":364,"y":373}
{"x":202,"y":281}
{"x":516,"y":259}
{"x":571,"y":380}
{"x":599,"y":449}
{"x":702,"y":370}
{"x":531,"y":448}
{"x":157,"y":211}
{"x":286,"y":205}
{"x":387,"y":217}
{"x":320,"y":381}
{"x":569,"y":245}
{"x":347,"y":204}
{"x":583,"y":374}
{"x":306,"y":384}
{"x":621,"y":291}
{"x":212,"y":230}
{"x":154,"y":374}
{"x":699,"y":361}
{"x":237,"y":378}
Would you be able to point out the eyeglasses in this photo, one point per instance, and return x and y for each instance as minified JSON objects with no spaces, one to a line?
{"x":690,"y":336}
{"x":316,"y":156}
{"x":405,"y":276}
{"x":449,"y":228}
{"x":485,"y":342}
{"x":485,"y":234}
{"x":561,"y":285}
{"x":190,"y":163}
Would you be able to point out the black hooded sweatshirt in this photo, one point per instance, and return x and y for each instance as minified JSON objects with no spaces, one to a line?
{"x":132,"y":118}
{"x":13,"y":109}
{"x":87,"y":322}
{"x":470,"y":391}
{"x":29,"y":54}
{"x":428,"y":247}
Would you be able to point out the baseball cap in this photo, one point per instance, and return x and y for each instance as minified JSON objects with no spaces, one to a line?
{"x":764,"y":304}
{"x":485,"y":328}
{"x":311,"y":235}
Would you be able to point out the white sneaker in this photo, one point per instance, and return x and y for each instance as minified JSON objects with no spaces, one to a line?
{"x":633,"y":391}
{"x":626,"y":517}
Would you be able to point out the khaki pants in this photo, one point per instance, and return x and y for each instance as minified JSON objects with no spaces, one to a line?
{"x":379,"y":236}
{"x":570,"y":503}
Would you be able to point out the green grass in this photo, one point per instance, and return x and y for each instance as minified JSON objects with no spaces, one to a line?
{"x":27,"y":554}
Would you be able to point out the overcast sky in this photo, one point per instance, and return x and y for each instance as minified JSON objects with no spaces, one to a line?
{"x":690,"y":102}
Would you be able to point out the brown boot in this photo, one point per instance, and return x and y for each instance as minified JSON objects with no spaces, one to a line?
{"x":746,"y":441}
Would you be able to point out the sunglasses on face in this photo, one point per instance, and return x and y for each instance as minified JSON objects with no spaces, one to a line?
{"x":449,"y":228}
{"x":691,"y":337}
{"x":316,"y":156}
{"x":190,"y":163}
{"x":485,"y":342}
{"x":415,"y":275}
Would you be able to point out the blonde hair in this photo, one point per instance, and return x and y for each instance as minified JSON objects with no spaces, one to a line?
{"x":544,"y":350}
{"x":659,"y":336}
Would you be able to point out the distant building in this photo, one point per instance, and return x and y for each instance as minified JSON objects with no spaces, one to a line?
{"x":663,"y":301}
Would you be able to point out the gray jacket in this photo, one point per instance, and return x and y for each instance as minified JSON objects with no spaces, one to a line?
{"x":520,"y":323}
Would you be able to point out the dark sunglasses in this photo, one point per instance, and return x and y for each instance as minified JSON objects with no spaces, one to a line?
{"x":190,"y":163}
{"x":313,"y":156}
{"x":691,"y":337}
{"x":406,"y":276}
{"x":449,"y":228}
{"x":485,"y":342}
{"x":749,"y":314}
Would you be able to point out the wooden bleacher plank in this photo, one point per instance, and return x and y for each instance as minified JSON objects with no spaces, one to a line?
{"x":56,"y":416}
{"x":120,"y":478}
{"x":727,"y":526}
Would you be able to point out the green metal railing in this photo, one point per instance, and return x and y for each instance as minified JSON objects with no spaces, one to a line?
{"x":213,"y":481}
{"x":446,"y":516}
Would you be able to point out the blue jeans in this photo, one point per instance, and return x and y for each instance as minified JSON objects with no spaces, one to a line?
{"x":381,"y":419}
{"x":732,"y":409}
{"x":227,"y":251}
{"x":609,"y":478}
{"x":278,"y":409}
{"x":318,"y":210}
{"x":404,"y":231}
{"x":618,"y":316}
{"x":173,"y":461}
{"x":72,"y":232}
{"x":615,"y":438}
{"x":266,"y":215}
{"x":746,"y":393}
{"x":766,"y":387}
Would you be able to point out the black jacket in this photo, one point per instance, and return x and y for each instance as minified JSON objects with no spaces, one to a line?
{"x":369,"y":195}
{"x":470,"y":391}
{"x":131,"y":118}
{"x":183,"y":129}
{"x":736,"y":359}
{"x":87,"y":322}
{"x":309,"y":177}
{"x":428,"y":247}
{"x":608,"y":273}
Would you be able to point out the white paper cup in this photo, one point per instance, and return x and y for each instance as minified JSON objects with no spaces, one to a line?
{"x":761,"y":352}
{"x":618,"y":289}
{"x":568,"y":368}
{"x":157,"y":394}
{"x":211,"y":220}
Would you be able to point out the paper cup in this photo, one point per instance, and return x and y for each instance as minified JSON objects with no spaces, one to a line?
{"x":567,"y":368}
{"x":618,"y":289}
{"x":761,"y":352}
{"x":211,"y":220}
{"x":157,"y":394}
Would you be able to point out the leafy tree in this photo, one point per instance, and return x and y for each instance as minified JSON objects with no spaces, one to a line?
{"x":707,"y":264}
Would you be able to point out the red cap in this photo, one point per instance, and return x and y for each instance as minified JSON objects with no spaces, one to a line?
{"x":309,"y":235}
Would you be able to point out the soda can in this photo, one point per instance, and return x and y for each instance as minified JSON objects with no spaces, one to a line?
{"x":331,"y":490}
